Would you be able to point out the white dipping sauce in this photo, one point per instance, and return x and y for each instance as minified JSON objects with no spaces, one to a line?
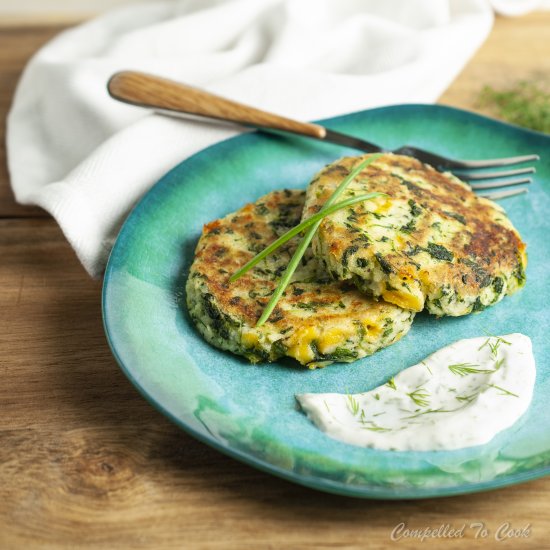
{"x":460,"y":396}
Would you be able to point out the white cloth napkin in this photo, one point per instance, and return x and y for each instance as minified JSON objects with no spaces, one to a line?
{"x":87,"y":158}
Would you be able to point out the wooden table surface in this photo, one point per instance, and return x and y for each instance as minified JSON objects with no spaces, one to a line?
{"x":85,"y":462}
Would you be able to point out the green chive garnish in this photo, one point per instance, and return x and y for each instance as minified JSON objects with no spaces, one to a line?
{"x":298,"y":229}
{"x":302,"y":247}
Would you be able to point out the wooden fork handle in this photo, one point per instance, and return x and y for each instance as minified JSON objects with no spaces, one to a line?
{"x":147,"y":90}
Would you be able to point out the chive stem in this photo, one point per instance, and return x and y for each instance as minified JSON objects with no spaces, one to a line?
{"x":298,"y":229}
{"x":349,"y":178}
{"x":287,"y":275}
{"x":302,"y":247}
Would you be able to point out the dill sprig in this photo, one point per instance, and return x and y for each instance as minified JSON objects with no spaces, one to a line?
{"x":526,"y":103}
{"x":462,"y":369}
{"x":353,"y":405}
{"x":466,"y":398}
{"x":302,"y":247}
{"x":504,"y":391}
{"x":298,"y":229}
{"x":373,"y":427}
{"x":391,"y":383}
{"x":494,"y":346}
{"x":420,"y":397}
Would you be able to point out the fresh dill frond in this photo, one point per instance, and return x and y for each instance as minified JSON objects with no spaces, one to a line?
{"x":391,"y":383}
{"x":486,"y":343}
{"x":466,"y":398}
{"x":326,"y":405}
{"x":504,"y":391}
{"x":427,"y":366}
{"x":375,"y":427}
{"x":353,"y":404}
{"x":420,"y":397}
{"x":526,"y":103}
{"x":498,"y":363}
{"x":462,"y":369}
{"x":494,"y":346}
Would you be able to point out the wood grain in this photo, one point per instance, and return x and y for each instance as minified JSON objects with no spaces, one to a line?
{"x":86,"y":462}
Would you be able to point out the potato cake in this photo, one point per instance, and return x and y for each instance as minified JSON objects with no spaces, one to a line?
{"x":432,"y":243}
{"x":316,"y":321}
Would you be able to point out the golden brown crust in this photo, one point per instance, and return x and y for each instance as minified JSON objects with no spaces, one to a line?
{"x":433,"y":241}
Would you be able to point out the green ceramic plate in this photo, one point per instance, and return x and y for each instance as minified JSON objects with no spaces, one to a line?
{"x":249,"y":412}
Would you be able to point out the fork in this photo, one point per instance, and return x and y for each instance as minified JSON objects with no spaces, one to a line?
{"x":174,"y":98}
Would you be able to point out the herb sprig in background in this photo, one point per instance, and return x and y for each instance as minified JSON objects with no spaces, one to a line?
{"x":525,"y":103}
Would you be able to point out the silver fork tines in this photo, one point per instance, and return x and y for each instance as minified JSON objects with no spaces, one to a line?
{"x":495,"y":184}
{"x":504,"y":194}
{"x":492,"y":175}
{"x":466,"y":170}
{"x":492,"y":163}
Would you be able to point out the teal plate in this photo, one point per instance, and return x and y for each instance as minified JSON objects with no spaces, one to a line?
{"x":249,"y":412}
